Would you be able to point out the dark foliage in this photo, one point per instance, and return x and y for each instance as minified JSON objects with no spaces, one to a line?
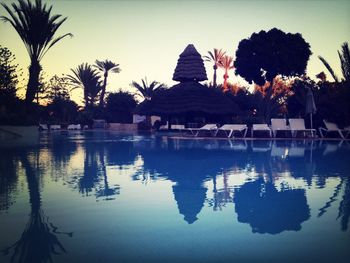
{"x":265,"y":55}
{"x":120,"y":107}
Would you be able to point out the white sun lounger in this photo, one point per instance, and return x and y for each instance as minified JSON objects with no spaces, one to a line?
{"x":74,"y":127}
{"x":298,"y":125}
{"x":261,"y":128}
{"x":43,"y":127}
{"x":229,"y":129}
{"x":212,"y":128}
{"x":55,"y":127}
{"x":331,"y":127}
{"x":279,"y":125}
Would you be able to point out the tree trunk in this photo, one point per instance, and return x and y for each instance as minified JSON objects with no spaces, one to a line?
{"x":267,"y":102}
{"x":225,"y":80}
{"x":103,"y":91}
{"x":33,"y":82}
{"x":214,"y":77}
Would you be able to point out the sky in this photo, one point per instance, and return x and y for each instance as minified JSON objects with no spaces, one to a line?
{"x":146,"y":37}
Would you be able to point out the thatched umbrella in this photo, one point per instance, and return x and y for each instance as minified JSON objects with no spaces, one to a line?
{"x":189,"y":96}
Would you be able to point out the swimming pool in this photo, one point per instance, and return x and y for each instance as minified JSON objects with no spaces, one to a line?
{"x":108,"y":197}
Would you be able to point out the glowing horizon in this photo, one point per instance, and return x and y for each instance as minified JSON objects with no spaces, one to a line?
{"x":147,"y":37}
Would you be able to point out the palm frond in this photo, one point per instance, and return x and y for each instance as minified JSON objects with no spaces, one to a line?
{"x":329,"y":68}
{"x":344,"y":57}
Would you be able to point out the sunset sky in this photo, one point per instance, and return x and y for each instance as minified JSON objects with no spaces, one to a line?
{"x":146,"y":37}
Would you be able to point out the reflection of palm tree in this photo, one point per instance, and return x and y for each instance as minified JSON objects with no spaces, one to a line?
{"x":38,"y":241}
{"x":105,"y":67}
{"x":146,"y":90}
{"x":344,"y":206}
{"x":85,"y":77}
{"x":215,"y":57}
{"x":36,"y":27}
{"x":94,"y":169}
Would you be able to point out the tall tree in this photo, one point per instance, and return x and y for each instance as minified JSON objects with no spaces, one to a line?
{"x":215,"y":57}
{"x":8,"y":73}
{"x":106,"y":66}
{"x":146,"y":90}
{"x":226,"y":64}
{"x":37,"y":27}
{"x":85,"y":77}
{"x":265,"y":55}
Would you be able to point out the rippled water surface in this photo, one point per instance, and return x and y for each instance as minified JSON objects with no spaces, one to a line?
{"x":104,"y":197}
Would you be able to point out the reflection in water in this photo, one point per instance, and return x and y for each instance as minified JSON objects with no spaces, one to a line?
{"x":268,"y":210}
{"x":266,"y":182}
{"x":38,"y":241}
{"x":8,"y":179}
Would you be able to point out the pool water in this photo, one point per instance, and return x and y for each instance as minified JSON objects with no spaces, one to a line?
{"x":108,"y":197}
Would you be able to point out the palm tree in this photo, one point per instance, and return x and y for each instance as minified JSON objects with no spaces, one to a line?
{"x":330,"y":69}
{"x":36,"y":27}
{"x":226,"y":64}
{"x":146,"y":91}
{"x":215,"y":57}
{"x":105,"y":67}
{"x":344,"y":56}
{"x":85,"y":77}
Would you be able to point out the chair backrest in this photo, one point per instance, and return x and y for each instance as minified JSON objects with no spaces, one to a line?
{"x":233,"y":127}
{"x":209,"y":127}
{"x":279,"y":124}
{"x":43,"y":126}
{"x":331,"y":126}
{"x":297,"y":124}
{"x":261,"y":127}
{"x":177,"y":127}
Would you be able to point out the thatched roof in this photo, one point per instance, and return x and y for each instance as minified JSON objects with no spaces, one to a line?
{"x":188,"y":97}
{"x":190,"y":66}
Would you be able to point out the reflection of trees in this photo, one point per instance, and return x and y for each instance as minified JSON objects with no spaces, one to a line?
{"x":8,"y":179}
{"x":268,"y":210}
{"x":189,"y":166}
{"x":94,"y":177}
{"x":38,"y":241}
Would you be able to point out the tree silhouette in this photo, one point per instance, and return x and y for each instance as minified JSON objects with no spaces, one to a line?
{"x":344,"y":56}
{"x":85,"y":77}
{"x":37,"y":27}
{"x":146,"y":90}
{"x":215,"y":57}
{"x":105,"y":66}
{"x":265,"y":55}
{"x":226,"y":64}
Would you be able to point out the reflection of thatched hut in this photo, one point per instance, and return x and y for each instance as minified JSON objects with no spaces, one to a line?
{"x":189,"y":98}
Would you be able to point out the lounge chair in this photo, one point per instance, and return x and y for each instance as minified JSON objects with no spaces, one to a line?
{"x":55,"y":127}
{"x":298,"y":125}
{"x":261,"y":128}
{"x":229,"y":129}
{"x":331,"y":127}
{"x":177,"y":127}
{"x":212,"y":128}
{"x":43,"y":127}
{"x":279,"y":125}
{"x":261,"y":146}
{"x":74,"y":127}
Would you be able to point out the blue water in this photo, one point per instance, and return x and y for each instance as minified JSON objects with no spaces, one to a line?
{"x":104,"y":197}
